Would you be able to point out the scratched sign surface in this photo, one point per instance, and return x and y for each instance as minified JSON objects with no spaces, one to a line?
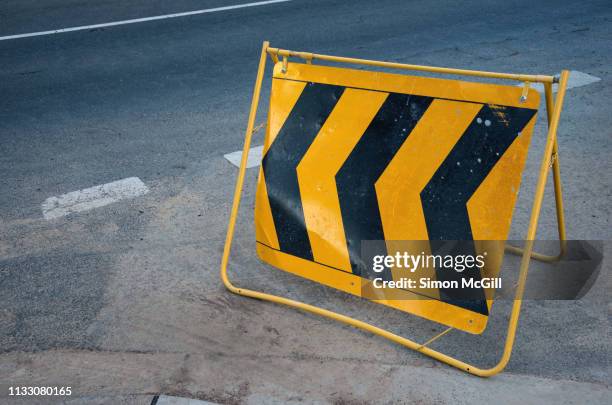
{"x":353,"y":155}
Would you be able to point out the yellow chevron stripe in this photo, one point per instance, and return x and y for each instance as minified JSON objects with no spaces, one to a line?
{"x":285,"y":94}
{"x":398,"y":188}
{"x":317,"y":170}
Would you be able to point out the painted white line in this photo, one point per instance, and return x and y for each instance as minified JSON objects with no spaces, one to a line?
{"x":93,"y":197}
{"x":253,"y":160}
{"x":576,"y":79}
{"x":168,"y":400}
{"x":139,"y":20}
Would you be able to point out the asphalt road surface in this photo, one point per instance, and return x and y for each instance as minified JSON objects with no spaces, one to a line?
{"x":124,"y":301}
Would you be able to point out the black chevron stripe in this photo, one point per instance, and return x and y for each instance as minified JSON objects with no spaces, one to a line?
{"x":355,"y":180}
{"x":280,"y":162}
{"x":445,"y":197}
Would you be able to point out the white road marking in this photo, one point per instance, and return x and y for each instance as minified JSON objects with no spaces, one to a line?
{"x":576,"y":79}
{"x":139,"y":20}
{"x":93,"y":197}
{"x":169,"y":400}
{"x":253,"y":160}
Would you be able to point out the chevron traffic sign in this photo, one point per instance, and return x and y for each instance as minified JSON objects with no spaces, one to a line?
{"x":352,"y":156}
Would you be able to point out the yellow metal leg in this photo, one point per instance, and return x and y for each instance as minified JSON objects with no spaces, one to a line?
{"x":422,"y":348}
{"x":558,"y":194}
{"x":241,"y":173}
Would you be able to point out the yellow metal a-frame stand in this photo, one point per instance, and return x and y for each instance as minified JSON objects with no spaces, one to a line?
{"x":549,"y":159}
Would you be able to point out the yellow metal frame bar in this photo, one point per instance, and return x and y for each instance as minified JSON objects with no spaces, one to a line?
{"x":558,"y":192}
{"x":276,"y":52}
{"x":550,"y":150}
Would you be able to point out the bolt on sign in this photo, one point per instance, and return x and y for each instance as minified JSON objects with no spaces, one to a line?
{"x":353,"y":156}
{"x":361,"y":161}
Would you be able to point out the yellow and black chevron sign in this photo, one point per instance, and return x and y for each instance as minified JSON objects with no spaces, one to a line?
{"x":353,"y":156}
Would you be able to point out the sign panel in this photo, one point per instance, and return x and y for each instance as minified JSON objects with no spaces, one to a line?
{"x":352,"y":156}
